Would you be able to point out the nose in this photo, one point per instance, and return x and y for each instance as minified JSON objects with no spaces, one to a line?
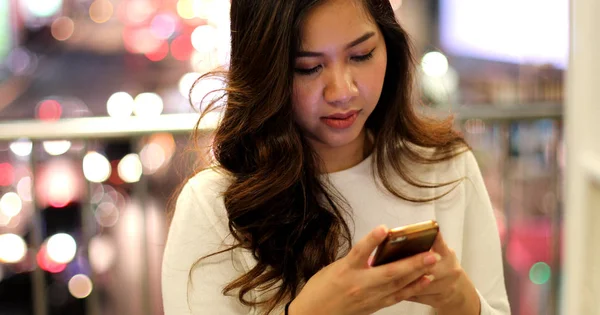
{"x":340,"y":88}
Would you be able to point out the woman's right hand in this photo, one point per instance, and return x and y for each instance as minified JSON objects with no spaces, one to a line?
{"x":350,"y":286}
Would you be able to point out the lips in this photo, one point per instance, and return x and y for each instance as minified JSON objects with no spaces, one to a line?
{"x":341,"y":120}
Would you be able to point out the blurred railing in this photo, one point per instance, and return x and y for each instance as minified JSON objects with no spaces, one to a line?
{"x":132,"y":128}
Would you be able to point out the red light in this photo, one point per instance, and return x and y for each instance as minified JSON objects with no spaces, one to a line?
{"x":7,"y":174}
{"x":181,"y":48}
{"x":160,"y":53}
{"x":48,"y":264}
{"x":49,"y":110}
{"x":114,"y":176}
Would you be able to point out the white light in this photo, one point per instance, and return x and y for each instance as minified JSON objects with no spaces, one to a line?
{"x":57,"y":147}
{"x":80,"y":286}
{"x":61,"y":248}
{"x":10,"y":204}
{"x":130,"y":168}
{"x":186,"y":82}
{"x":43,"y":8}
{"x":148,"y":105}
{"x":119,"y":105}
{"x":96,"y":168}
{"x":4,"y":220}
{"x":12,"y":248}
{"x":24,"y":188}
{"x":107,"y":214}
{"x":21,"y":147}
{"x":434,"y":64}
{"x":153,"y":157}
{"x":102,"y":253}
{"x":204,"y":38}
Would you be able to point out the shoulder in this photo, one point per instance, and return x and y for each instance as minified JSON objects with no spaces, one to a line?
{"x":201,"y":200}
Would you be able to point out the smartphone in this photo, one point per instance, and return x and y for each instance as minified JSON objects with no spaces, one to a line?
{"x":406,"y":241}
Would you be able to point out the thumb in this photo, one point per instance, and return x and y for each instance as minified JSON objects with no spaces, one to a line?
{"x":360,"y":253}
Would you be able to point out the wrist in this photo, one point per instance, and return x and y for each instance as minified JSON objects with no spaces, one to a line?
{"x":466,"y":302}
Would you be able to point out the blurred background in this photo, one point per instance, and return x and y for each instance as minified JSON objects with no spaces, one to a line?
{"x":95,"y":117}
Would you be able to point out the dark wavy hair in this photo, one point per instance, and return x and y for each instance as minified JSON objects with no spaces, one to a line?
{"x":278,"y":205}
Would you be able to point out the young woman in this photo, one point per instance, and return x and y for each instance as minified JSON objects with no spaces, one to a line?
{"x":318,"y":151}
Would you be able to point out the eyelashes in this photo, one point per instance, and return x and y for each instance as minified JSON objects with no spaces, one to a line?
{"x":360,"y":58}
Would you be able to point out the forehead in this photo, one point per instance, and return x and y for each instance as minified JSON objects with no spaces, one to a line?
{"x":334,"y":23}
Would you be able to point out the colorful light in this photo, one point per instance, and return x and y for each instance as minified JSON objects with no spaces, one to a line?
{"x":163,"y":26}
{"x":12,"y":248}
{"x":61,"y":248}
{"x":49,"y":110}
{"x":160,"y":53}
{"x":96,"y":167}
{"x":540,"y":273}
{"x":185,"y":9}
{"x":181,"y":47}
{"x":80,"y":286}
{"x":101,"y":11}
{"x":7,"y":174}
{"x":46,"y":263}
{"x":62,"y":28}
{"x":10,"y":204}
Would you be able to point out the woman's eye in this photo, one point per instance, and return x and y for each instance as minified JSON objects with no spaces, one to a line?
{"x":310,"y":71}
{"x":363,"y":57}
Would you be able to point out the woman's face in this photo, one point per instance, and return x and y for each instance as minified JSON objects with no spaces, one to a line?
{"x":339,"y":72}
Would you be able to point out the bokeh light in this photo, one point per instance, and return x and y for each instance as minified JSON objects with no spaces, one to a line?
{"x":21,"y":147}
{"x":62,"y":28}
{"x":7,"y":174}
{"x":130,"y":168}
{"x":120,"y":105}
{"x":107,"y":214}
{"x":160,"y":53}
{"x":96,"y":167}
{"x":540,"y":273}
{"x":204,"y":38}
{"x":148,"y":105}
{"x":46,"y":263}
{"x":24,"y":188}
{"x":181,"y":47}
{"x":21,"y":61}
{"x":12,"y":248}
{"x":434,"y":64}
{"x":80,"y":286}
{"x":141,"y":40}
{"x":43,"y":8}
{"x":185,"y":9}
{"x":137,"y":11}
{"x":61,"y":248}
{"x":49,"y":110}
{"x":101,"y":11}
{"x":56,"y":147}
{"x":186,"y":82}
{"x":10,"y":204}
{"x":102,"y":253}
{"x":163,"y":26}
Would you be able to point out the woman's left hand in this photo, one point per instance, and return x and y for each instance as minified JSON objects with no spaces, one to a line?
{"x":451,"y":291}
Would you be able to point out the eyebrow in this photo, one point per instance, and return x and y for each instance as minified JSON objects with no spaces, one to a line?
{"x":353,"y":43}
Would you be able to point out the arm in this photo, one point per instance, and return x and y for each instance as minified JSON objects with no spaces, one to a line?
{"x":197,"y":231}
{"x":482,"y":256}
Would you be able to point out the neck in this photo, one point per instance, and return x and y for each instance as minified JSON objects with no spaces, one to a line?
{"x":342,"y":158}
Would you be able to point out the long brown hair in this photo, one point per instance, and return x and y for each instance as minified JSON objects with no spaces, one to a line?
{"x":278,"y":206}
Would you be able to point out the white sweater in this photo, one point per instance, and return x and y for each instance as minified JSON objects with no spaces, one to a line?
{"x":465,"y":216}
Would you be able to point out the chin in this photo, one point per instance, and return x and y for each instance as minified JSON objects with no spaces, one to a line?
{"x":338,"y":139}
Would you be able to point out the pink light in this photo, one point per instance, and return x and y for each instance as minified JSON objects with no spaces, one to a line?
{"x":49,"y":110}
{"x":58,"y":184}
{"x":181,"y":48}
{"x":163,"y":26}
{"x":46,"y":263}
{"x":7,"y":174}
{"x":140,"y":40}
{"x":160,"y":53}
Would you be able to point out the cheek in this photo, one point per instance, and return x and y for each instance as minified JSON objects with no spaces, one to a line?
{"x":302,"y":101}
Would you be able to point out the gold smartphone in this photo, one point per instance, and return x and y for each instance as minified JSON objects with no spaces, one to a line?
{"x":406,"y":241}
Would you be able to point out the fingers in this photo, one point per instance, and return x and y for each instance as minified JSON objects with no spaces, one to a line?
{"x":439,"y":246}
{"x":409,"y":291}
{"x":403,"y":272}
{"x":360,"y":253}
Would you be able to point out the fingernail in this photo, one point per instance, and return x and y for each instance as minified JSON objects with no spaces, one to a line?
{"x":432,"y":258}
{"x":430,"y":278}
{"x":381,"y":231}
